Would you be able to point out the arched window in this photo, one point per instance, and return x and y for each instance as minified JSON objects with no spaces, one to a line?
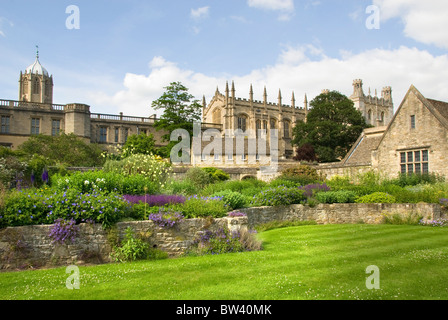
{"x":286,"y":127}
{"x":369,"y":115}
{"x":258,"y":127}
{"x":382,"y":117}
{"x":242,"y":122}
{"x":36,"y":86}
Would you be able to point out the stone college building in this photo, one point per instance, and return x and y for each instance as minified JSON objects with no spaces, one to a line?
{"x":411,"y":140}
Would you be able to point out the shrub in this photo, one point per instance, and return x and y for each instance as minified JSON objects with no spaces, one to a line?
{"x":154,"y":168}
{"x":45,"y":206}
{"x":302,"y":174}
{"x":396,"y":218}
{"x":377,"y":197}
{"x":278,"y":196}
{"x":223,"y":241}
{"x":413,"y":179}
{"x":234,"y":200}
{"x":216,"y":174}
{"x":201,"y":207}
{"x":312,"y":189}
{"x":234,"y":185}
{"x":198,"y":177}
{"x":131,"y":248}
{"x":184,"y":187}
{"x":340,"y":196}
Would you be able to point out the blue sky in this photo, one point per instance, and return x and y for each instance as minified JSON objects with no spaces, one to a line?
{"x":125,"y":52}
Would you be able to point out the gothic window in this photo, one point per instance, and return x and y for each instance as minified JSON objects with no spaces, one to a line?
{"x":273,"y":127}
{"x":369,"y":115}
{"x":242,"y":123}
{"x":286,"y":129}
{"x":415,"y":161}
{"x":258,"y":127}
{"x":273,"y":124}
{"x":36,"y":89}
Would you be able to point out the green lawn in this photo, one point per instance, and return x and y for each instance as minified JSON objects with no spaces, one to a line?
{"x":306,"y":262}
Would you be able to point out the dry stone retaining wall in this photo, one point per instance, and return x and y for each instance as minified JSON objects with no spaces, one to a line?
{"x":31,"y":246}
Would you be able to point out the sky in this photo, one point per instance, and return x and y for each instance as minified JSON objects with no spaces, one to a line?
{"x":119,"y":55}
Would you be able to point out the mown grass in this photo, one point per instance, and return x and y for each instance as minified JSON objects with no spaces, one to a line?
{"x":299,"y":263}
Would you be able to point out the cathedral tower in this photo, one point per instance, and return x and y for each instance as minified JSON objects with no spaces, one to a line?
{"x":36,"y":85}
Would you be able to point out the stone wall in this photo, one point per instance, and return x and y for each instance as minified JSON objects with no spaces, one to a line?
{"x":31,"y":246}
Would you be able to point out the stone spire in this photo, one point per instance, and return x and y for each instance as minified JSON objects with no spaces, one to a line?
{"x":293,"y":100}
{"x":279,"y":98}
{"x":251,"y":93}
{"x":265,"y":96}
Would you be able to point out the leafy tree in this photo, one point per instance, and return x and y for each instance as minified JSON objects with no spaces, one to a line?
{"x":179,"y":111}
{"x":333,"y":125}
{"x":139,"y":144}
{"x":306,"y":153}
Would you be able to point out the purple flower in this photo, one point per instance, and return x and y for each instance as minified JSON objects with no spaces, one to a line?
{"x":45,"y":176}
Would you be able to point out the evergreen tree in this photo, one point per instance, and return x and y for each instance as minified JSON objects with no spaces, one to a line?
{"x":333,"y":125}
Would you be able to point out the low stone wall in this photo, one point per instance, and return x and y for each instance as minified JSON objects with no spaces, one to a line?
{"x":31,"y":246}
{"x":341,"y":213}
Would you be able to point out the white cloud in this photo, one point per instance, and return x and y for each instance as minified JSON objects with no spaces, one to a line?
{"x":272,"y":4}
{"x":286,"y":7}
{"x":302,"y":69}
{"x":424,"y":21}
{"x":200,"y":12}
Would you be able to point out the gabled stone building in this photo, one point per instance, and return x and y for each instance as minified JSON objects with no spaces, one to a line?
{"x":415,"y":141}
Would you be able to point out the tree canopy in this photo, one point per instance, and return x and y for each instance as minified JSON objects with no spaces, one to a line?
{"x":333,"y":125}
{"x":180,"y":110}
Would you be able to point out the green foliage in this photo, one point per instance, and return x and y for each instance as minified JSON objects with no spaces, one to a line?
{"x":134,"y":248}
{"x":234,"y":200}
{"x":184,"y":187}
{"x":300,"y":175}
{"x":247,"y":187}
{"x":65,"y":149}
{"x":413,"y":179}
{"x":139,"y":144}
{"x":377,"y":197}
{"x":179,"y":110}
{"x":44,"y":206}
{"x":107,"y":182}
{"x":333,"y":125}
{"x":341,"y":196}
{"x":278,"y":196}
{"x":216,"y":174}
{"x":198,"y":177}
{"x":223,"y":241}
{"x":412,"y":218}
{"x":201,"y":207}
{"x":154,"y":168}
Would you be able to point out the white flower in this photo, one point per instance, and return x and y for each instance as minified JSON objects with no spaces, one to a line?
{"x":86,"y":182}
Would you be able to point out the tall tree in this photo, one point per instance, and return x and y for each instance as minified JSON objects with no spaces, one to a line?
{"x":333,"y":125}
{"x":180,"y":110}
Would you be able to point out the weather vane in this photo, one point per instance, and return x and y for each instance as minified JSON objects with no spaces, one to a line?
{"x":37,"y":51}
